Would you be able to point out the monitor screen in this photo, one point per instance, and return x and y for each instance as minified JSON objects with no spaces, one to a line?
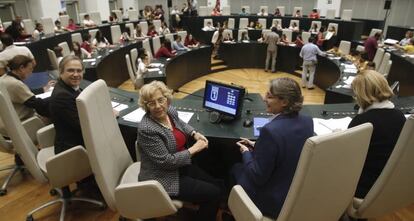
{"x":223,"y":98}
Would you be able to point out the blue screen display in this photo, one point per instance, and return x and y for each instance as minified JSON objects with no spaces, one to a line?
{"x":221,"y":98}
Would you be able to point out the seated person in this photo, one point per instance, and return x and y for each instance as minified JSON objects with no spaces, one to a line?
{"x":58,"y":27}
{"x":314,"y":14}
{"x":216,"y":40}
{"x":408,"y":36}
{"x":113,"y":18}
{"x":80,"y":52}
{"x":331,"y":32}
{"x":138,"y":33}
{"x":244,"y":36}
{"x":227,"y":37}
{"x":373,"y":95}
{"x":100,"y":41}
{"x":86,"y":44}
{"x":38,"y":32}
{"x":209,"y":27}
{"x":165,"y":50}
{"x":314,"y":29}
{"x":252,"y":25}
{"x":71,"y":25}
{"x":10,"y":50}
{"x":298,"y":14}
{"x":276,"y":25}
{"x":262,"y":12}
{"x":164,"y":146}
{"x":23,"y":99}
{"x":277,"y":13}
{"x":408,"y":48}
{"x":294,"y":27}
{"x":190,"y":41}
{"x":143,"y":62}
{"x":269,"y":164}
{"x":299,"y":41}
{"x":59,"y":53}
{"x":216,"y":11}
{"x":258,"y":25}
{"x":320,"y":38}
{"x":284,"y":40}
{"x":164,"y":29}
{"x":243,"y":12}
{"x":151,"y":31}
{"x":17,"y":31}
{"x":88,"y":22}
{"x":178,"y":45}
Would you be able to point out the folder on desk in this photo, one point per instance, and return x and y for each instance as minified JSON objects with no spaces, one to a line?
{"x":258,"y":123}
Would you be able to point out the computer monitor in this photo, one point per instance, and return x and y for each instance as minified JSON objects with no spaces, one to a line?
{"x":223,"y":98}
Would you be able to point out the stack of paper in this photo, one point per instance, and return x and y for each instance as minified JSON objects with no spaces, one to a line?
{"x":390,"y":41}
{"x":350,"y":68}
{"x":45,"y":94}
{"x":322,"y":126}
{"x":349,"y":80}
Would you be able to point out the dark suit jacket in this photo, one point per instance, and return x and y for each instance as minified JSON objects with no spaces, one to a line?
{"x":64,"y":115}
{"x":267,"y":171}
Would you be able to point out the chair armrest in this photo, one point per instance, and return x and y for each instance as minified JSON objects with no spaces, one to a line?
{"x":68,"y":167}
{"x":46,"y":136}
{"x":143,"y":200}
{"x":31,"y":126}
{"x":242,"y":207}
{"x":353,"y":209}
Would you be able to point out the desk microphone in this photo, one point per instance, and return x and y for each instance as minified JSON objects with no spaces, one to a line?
{"x":194,"y":95}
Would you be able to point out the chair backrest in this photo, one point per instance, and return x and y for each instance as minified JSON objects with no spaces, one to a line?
{"x":393,"y":188}
{"x":230,"y":23}
{"x":183,"y":34}
{"x":278,"y":20}
{"x":318,"y":24}
{"x":266,"y":9}
{"x":378,"y":58}
{"x":324,"y":177}
{"x":334,"y":25}
{"x":22,"y":143}
{"x":130,"y":27}
{"x":92,"y":32}
{"x":131,"y":72}
{"x":65,"y":48}
{"x":96,"y":17}
{"x":64,"y":20}
{"x":247,"y":8}
{"x":263,"y":22}
{"x":207,"y":20}
{"x":384,"y":63}
{"x":28,"y":25}
{"x":169,"y":37}
{"x":107,"y":152}
{"x":156,"y":44}
{"x":330,"y":14}
{"x":157,"y":24}
{"x":294,"y":21}
{"x":374,"y":31}
{"x":6,"y":24}
{"x":387,"y":69}
{"x":81,"y":17}
{"x":147,"y":46}
{"x":288,"y":34}
{"x":144,"y":27}
{"x":243,"y":23}
{"x":134,"y":57}
{"x":133,"y":15}
{"x":345,"y":47}
{"x":115,"y":33}
{"x":53,"y":60}
{"x":225,"y":10}
{"x":296,"y":9}
{"x":240,"y":34}
{"x":118,"y":14}
{"x":306,"y":36}
{"x":360,"y":48}
{"x":5,"y":145}
{"x":347,"y":15}
{"x":202,"y":11}
{"x":228,"y":32}
{"x":281,"y":10}
{"x":48,"y":25}
{"x":76,"y":37}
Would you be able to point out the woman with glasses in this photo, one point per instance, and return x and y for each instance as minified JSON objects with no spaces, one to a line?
{"x":164,"y":143}
{"x":269,"y":164}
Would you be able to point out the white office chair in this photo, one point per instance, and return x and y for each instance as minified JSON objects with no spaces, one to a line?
{"x":134,"y":57}
{"x":133,"y":15}
{"x":28,"y":26}
{"x":118,"y":14}
{"x":228,"y":32}
{"x":183,"y":34}
{"x":263,"y":22}
{"x":64,"y":20}
{"x":52,"y":59}
{"x":6,"y":24}
{"x":202,"y":11}
{"x":207,"y":20}
{"x":244,"y":22}
{"x":48,"y":25}
{"x":225,"y":10}
{"x":335,"y":25}
{"x":288,"y":34}
{"x":330,"y":14}
{"x":147,"y":46}
{"x":294,"y":21}
{"x":131,"y":72}
{"x":318,"y":24}
{"x":170,"y":37}
{"x":282,"y":10}
{"x":240,"y":32}
{"x":374,"y":31}
{"x":378,"y":58}
{"x":346,"y":15}
{"x":96,"y":17}
{"x":65,"y":48}
{"x":345,"y":47}
{"x":296,"y":9}
{"x":266,"y":9}
{"x":157,"y":24}
{"x":265,"y":32}
{"x":306,"y":36}
{"x":156,"y":44}
{"x":324,"y":181}
{"x":387,"y":69}
{"x":130,"y":27}
{"x":384,"y":63}
{"x":92,"y":32}
{"x":81,"y":17}
{"x":247,"y":8}
{"x":231,"y":23}
{"x":144,"y":27}
{"x":360,"y":48}
{"x":115,"y":33}
{"x":76,"y":37}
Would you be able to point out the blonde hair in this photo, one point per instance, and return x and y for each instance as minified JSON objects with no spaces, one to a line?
{"x":288,"y":89}
{"x":370,"y":86}
{"x":148,"y":90}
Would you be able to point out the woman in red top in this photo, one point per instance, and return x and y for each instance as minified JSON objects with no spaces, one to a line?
{"x":320,"y":37}
{"x":165,"y":50}
{"x":86,"y":44}
{"x":191,"y":42}
{"x":71,"y":26}
{"x":151,"y":31}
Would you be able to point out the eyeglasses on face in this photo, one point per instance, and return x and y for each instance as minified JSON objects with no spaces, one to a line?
{"x":74,"y":70}
{"x":153,"y":103}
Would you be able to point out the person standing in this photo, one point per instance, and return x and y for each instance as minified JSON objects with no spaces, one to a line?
{"x":271,"y":39}
{"x":308,"y":53}
{"x":371,"y":46}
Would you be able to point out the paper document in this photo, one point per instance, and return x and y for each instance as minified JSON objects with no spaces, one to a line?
{"x":114,"y":104}
{"x":135,"y":116}
{"x":390,"y":41}
{"x":185,"y":116}
{"x":156,"y":65}
{"x":89,"y":60}
{"x":45,"y":94}
{"x":349,"y":80}
{"x":121,"y":107}
{"x":153,"y":69}
{"x":258,"y":123}
{"x":323,"y":126}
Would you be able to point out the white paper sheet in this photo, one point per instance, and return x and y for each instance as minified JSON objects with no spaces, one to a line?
{"x":349,"y":80}
{"x":45,"y":94}
{"x":185,"y":116}
{"x":153,"y":69}
{"x":114,"y":104}
{"x":89,"y":60}
{"x":135,"y":116}
{"x":121,"y":107}
{"x":322,"y":126}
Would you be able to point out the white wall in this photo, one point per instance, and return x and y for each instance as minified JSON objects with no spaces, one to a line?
{"x":324,"y":5}
{"x":44,"y":8}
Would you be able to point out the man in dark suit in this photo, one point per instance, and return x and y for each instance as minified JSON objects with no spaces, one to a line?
{"x":63,"y":109}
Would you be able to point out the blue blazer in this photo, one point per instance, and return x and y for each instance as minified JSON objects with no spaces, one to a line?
{"x":268,"y":170}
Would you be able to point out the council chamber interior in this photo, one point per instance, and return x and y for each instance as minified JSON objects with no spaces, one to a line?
{"x":31,"y":175}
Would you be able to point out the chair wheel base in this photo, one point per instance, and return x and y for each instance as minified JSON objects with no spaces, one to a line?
{"x":3,"y":192}
{"x":29,"y":218}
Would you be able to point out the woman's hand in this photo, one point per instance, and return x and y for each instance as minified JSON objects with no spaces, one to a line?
{"x":243,"y":147}
{"x":198,"y":136}
{"x":247,"y":142}
{"x":197,"y":147}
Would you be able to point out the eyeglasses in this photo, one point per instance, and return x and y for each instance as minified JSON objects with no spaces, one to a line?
{"x":74,"y":70}
{"x":270,"y":96}
{"x":160,"y":101}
